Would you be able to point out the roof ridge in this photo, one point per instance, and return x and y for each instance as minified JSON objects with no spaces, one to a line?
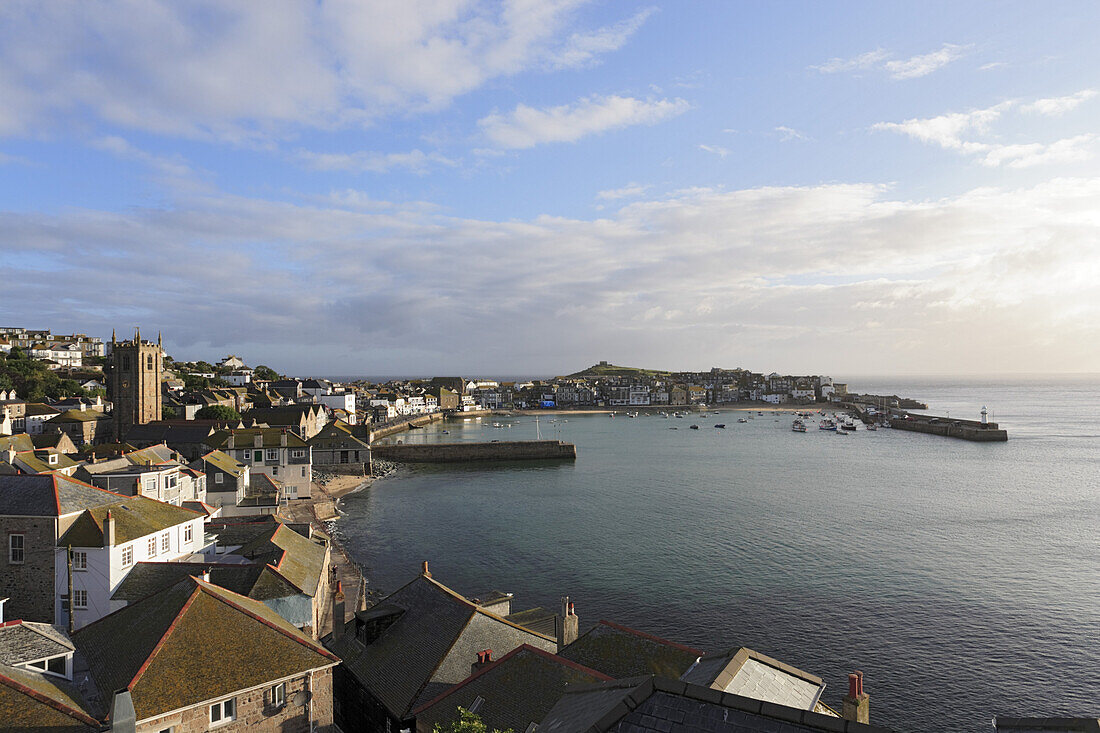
{"x":208,"y":588}
{"x":562,"y":660}
{"x":287,"y":580}
{"x":443,"y":656}
{"x":651,"y":637}
{"x":479,"y":609}
{"x":47,"y":700}
{"x":163,"y":638}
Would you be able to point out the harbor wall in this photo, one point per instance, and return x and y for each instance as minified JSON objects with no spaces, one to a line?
{"x":400,"y":426}
{"x":517,"y":450}
{"x":963,"y":429}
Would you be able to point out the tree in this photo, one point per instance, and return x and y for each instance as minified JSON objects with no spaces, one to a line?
{"x":265,"y":373}
{"x":167,"y":413}
{"x":467,"y":723}
{"x":217,"y":412}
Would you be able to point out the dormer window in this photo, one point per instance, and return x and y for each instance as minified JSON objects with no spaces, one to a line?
{"x":52,"y":459}
{"x":58,"y":665}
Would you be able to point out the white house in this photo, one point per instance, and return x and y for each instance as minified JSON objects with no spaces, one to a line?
{"x":803,"y":394}
{"x":107,"y":540}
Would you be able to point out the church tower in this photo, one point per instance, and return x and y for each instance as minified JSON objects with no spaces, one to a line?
{"x":136,"y":370}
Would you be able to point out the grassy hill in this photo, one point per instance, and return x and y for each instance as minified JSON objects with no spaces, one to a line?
{"x":603,"y":369}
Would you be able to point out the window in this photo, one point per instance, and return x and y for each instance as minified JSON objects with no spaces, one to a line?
{"x":127,"y":556}
{"x":16,"y":554}
{"x":151,"y":486}
{"x":272,"y":454}
{"x":165,"y":542}
{"x":80,"y":598}
{"x":80,"y":560}
{"x":53,"y":665}
{"x":274,"y":470}
{"x":218,"y":478}
{"x":303,"y":471}
{"x":297,"y":453}
{"x":149,"y":362}
{"x":258,"y":457}
{"x":152,"y":547}
{"x":53,"y":459}
{"x":276,"y":696}
{"x":125,"y":366}
{"x":187,"y":534}
{"x":224,"y":711}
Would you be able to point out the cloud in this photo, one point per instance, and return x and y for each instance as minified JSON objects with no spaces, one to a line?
{"x":924,"y":64}
{"x":715,"y":150}
{"x":787,"y":134}
{"x":910,"y":68}
{"x":958,"y":131}
{"x":631,"y":190}
{"x":584,"y":48}
{"x":372,"y":162}
{"x":247,"y":71}
{"x":169,"y":166}
{"x":758,"y":276}
{"x":1057,"y":106}
{"x":526,"y":127}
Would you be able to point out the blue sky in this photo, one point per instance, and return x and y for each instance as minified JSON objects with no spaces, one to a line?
{"x":527,"y":187}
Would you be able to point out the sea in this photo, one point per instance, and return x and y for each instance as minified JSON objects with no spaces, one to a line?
{"x":962,"y":579}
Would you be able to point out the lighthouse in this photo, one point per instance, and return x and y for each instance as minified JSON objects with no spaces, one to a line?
{"x":983,"y":415}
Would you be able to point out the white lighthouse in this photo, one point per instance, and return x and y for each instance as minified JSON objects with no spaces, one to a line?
{"x":983,"y":415}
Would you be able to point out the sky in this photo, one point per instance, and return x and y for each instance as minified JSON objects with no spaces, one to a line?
{"x":530,"y":186}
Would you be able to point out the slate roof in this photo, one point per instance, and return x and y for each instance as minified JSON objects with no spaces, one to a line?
{"x":169,"y":433}
{"x":751,"y":674}
{"x":620,"y":651}
{"x":652,"y":704}
{"x":70,"y":416}
{"x":517,"y":690}
{"x":193,"y":642}
{"x":246,"y":437}
{"x":298,"y":559}
{"x":30,"y":701}
{"x":397,"y":668}
{"x":21,"y":442}
{"x":135,"y":516}
{"x":258,"y":582}
{"x":223,"y":462}
{"x":49,"y":495}
{"x":29,"y":641}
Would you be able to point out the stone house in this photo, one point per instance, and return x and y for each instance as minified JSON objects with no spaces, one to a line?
{"x":160,"y":666}
{"x":341,"y":445}
{"x":85,"y":427}
{"x":277,"y":452}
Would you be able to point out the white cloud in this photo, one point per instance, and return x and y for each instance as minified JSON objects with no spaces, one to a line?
{"x":910,"y":68}
{"x":372,"y":162}
{"x":992,"y":65}
{"x":170,"y":166}
{"x":525,"y":127}
{"x":786,"y":134}
{"x":631,"y":190}
{"x":761,"y":276}
{"x":868,"y":60}
{"x":247,"y":71}
{"x":1057,"y":106}
{"x":969,"y":133}
{"x":924,"y":64}
{"x":715,"y":150}
{"x":585,"y":47}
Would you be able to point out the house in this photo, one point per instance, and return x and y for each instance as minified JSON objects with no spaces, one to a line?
{"x":303,"y":420}
{"x":85,"y":427}
{"x":227,"y":479}
{"x":413,"y":646}
{"x":677,"y":395}
{"x":156,"y":472}
{"x":510,"y":693}
{"x":277,"y":452}
{"x":751,"y":674}
{"x":232,"y":362}
{"x":22,"y":454}
{"x":104,"y":542}
{"x":657,"y":704}
{"x":338,"y":444}
{"x":194,"y":656}
{"x":186,"y":437}
{"x":37,"y":415}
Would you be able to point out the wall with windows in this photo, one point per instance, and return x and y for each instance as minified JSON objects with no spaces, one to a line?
{"x":26,"y":563}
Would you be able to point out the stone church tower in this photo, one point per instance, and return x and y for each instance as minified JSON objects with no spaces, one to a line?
{"x":136,"y":370}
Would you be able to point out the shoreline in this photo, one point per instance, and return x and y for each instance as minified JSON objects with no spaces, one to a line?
{"x":655,"y":409}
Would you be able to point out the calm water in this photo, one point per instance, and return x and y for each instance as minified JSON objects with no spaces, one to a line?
{"x":962,"y":578}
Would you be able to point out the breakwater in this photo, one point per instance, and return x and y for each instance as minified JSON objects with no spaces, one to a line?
{"x":513,"y":450}
{"x":988,"y":432}
{"x":400,"y":426}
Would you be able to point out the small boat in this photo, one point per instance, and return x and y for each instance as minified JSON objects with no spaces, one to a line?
{"x":694,"y":427}
{"x":798,"y":426}
{"x":742,"y":419}
{"x":827,"y":424}
{"x":871,"y":426}
{"x":721,"y":425}
{"x":848,"y":425}
{"x":674,"y":428}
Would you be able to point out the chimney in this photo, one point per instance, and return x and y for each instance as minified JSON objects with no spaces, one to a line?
{"x":282,"y":438}
{"x":258,"y":441}
{"x":857,"y":703}
{"x":230,"y":444}
{"x":484,"y":659}
{"x":109,"y":530}
{"x":424,"y":569}
{"x":123,"y":716}
{"x":337,"y":611}
{"x":568,"y":624}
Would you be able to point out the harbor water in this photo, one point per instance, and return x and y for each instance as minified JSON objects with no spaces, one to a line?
{"x":962,"y":578}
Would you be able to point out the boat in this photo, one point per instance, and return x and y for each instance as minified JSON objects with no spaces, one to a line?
{"x":798,"y":426}
{"x":694,"y":427}
{"x":742,"y":419}
{"x":720,"y":425}
{"x":871,"y":426}
{"x":674,"y":428}
{"x":848,"y":425}
{"x":827,"y":424}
